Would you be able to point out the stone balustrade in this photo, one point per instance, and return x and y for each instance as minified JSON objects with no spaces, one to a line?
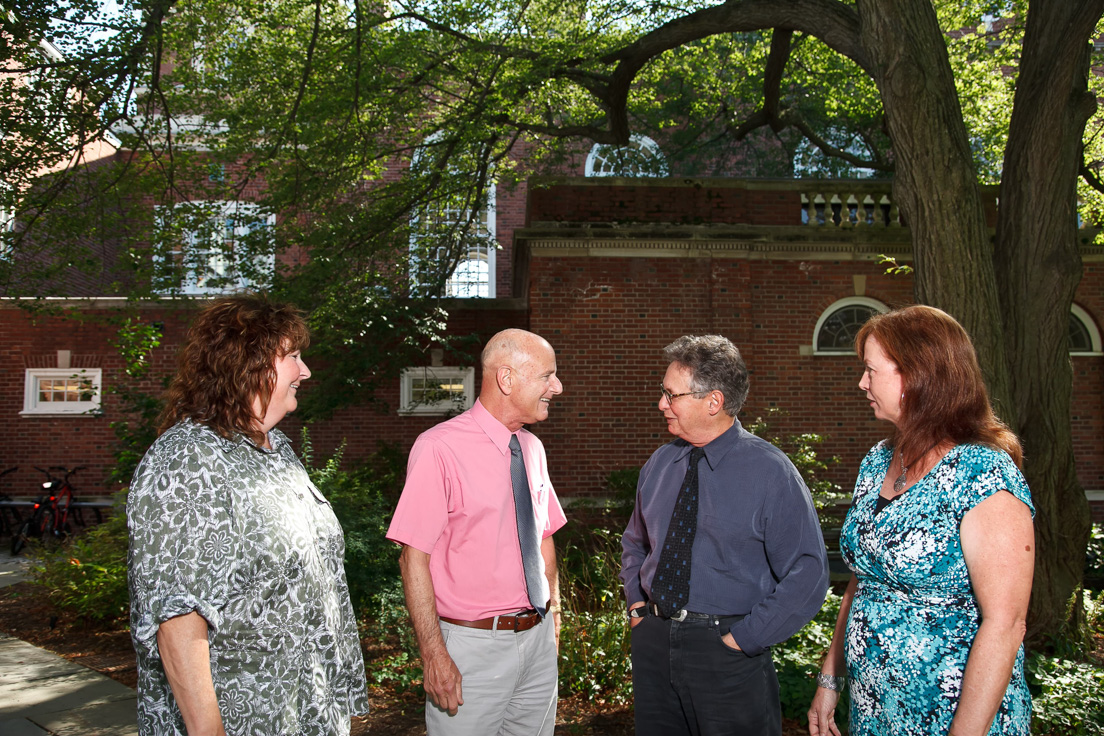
{"x":848,"y":204}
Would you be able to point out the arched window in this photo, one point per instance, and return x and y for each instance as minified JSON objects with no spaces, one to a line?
{"x":836,"y":329}
{"x":641,"y":157}
{"x":447,"y":224}
{"x":1084,"y":337}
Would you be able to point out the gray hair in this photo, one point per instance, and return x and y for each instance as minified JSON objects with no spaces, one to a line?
{"x":715,"y":365}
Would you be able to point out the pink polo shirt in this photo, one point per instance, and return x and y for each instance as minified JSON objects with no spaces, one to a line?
{"x":458,"y":507}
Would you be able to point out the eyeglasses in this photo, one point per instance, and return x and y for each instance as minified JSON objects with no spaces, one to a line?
{"x":671,"y":397}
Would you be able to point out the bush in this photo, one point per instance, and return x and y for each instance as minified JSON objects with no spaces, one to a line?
{"x":363,"y":499}
{"x":1067,"y":696}
{"x":802,"y":452}
{"x":360,"y":500}
{"x":798,"y":661}
{"x":621,"y":487}
{"x":88,"y":575}
{"x":1094,"y":558}
{"x":401,"y":665}
{"x":594,"y":638}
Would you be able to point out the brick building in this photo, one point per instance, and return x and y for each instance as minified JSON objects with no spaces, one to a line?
{"x":609,"y":270}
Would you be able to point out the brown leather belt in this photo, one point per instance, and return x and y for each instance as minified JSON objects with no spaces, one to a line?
{"x":518,"y":622}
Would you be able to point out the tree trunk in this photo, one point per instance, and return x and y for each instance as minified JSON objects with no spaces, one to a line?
{"x":1038,"y":266}
{"x":936,"y":185}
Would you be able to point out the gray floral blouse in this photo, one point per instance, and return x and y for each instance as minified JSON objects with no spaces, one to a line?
{"x":240,"y":535}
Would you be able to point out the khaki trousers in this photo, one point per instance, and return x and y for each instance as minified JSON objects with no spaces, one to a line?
{"x":509,"y":683}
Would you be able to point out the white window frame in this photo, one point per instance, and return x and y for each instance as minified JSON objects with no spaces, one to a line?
{"x":1086,"y":319}
{"x":192,"y":284}
{"x":835,"y":307}
{"x":465,"y":376}
{"x":598,"y":160}
{"x":457,"y":286}
{"x":33,"y":407}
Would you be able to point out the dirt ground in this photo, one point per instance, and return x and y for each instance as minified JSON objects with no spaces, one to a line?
{"x":26,"y":614}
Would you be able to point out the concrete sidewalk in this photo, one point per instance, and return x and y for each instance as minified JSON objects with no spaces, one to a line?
{"x":42,"y":693}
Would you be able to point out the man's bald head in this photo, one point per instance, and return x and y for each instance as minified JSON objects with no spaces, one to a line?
{"x":512,"y":347}
{"x":519,"y":378}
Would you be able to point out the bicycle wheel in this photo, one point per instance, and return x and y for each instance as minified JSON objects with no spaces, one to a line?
{"x":61,"y":527}
{"x":19,"y":539}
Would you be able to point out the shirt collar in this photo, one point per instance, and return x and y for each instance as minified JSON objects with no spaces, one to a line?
{"x":276,"y":438}
{"x":716,"y":450}
{"x":495,"y":430}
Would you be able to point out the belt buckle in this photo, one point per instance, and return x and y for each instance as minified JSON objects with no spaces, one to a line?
{"x":680,"y":616}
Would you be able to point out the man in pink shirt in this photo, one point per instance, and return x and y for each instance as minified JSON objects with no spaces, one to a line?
{"x":487,"y":637}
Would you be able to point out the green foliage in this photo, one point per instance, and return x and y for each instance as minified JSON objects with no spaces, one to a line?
{"x":1067,"y":696}
{"x":88,"y":574}
{"x":801,"y":450}
{"x":893,"y":268}
{"x":1094,"y":558}
{"x":361,"y":500}
{"x":621,"y":487}
{"x":400,"y":666}
{"x":137,"y":429}
{"x":594,"y":637}
{"x":798,"y":659}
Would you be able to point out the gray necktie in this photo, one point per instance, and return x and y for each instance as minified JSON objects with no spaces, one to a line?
{"x":671,"y":585}
{"x":527,"y":528}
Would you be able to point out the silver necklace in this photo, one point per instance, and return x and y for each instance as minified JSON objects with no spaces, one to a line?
{"x":902,"y":479}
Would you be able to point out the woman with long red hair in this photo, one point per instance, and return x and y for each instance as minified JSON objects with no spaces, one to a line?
{"x":940,"y":542}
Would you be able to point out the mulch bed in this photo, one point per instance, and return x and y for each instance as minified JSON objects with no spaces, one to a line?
{"x":25,"y":613}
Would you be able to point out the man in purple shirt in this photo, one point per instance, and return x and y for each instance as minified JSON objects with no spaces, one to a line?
{"x":743,"y":567}
{"x":488,"y":638}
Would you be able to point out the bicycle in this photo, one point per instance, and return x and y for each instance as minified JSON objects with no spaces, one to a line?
{"x":50,"y":511}
{"x":8,"y":507}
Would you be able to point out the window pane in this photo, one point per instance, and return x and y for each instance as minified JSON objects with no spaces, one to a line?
{"x":63,"y":390}
{"x":837,"y":334}
{"x":1080,"y":341}
{"x":430,"y":390}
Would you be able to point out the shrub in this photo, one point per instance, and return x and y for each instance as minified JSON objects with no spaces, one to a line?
{"x":88,"y":575}
{"x":802,"y":452}
{"x":401,"y":665}
{"x":621,"y":487}
{"x":1067,"y":696}
{"x":1094,"y":558}
{"x":594,"y":637}
{"x":798,"y":661}
{"x":360,"y":500}
{"x":363,"y":501}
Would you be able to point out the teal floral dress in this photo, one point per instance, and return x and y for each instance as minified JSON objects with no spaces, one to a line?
{"x":914,"y":616}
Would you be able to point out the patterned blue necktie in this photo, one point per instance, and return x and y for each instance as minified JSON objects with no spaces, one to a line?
{"x":527,"y":528}
{"x":671,"y":584}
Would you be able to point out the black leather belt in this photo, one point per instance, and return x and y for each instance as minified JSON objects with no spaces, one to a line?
{"x":682,"y":614}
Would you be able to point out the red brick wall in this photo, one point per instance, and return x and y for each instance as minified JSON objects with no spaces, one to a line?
{"x":33,"y":341}
{"x":609,"y":319}
{"x":27,"y":441}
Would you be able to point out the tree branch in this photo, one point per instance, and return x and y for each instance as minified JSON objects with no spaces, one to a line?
{"x":1091,"y":177}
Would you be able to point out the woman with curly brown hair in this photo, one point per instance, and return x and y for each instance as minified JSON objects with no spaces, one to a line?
{"x":939,"y":538}
{"x":240,"y":610}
